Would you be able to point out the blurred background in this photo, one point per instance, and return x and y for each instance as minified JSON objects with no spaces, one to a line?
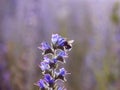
{"x":94,"y":61}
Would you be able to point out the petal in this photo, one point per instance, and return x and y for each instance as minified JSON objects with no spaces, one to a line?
{"x":48,"y":78}
{"x":60,"y":88}
{"x":54,"y":38}
{"x":45,"y":46}
{"x":46,"y":59}
{"x":61,"y":41}
{"x":44,"y":66}
{"x":41,"y":84}
{"x":62,"y":54}
{"x":62,"y":72}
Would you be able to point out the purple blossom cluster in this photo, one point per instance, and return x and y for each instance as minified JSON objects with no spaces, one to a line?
{"x":52,"y":54}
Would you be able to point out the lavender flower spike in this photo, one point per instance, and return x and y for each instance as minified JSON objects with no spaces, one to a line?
{"x":54,"y":53}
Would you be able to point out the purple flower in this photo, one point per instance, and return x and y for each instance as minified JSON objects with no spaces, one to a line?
{"x":57,"y":41}
{"x":41,"y":84}
{"x":49,"y":80}
{"x":61,"y":74}
{"x":60,"y":42}
{"x":44,"y":66}
{"x":52,"y":63}
{"x":46,"y":59}
{"x":61,"y":55}
{"x":46,"y":48}
{"x":55,"y":38}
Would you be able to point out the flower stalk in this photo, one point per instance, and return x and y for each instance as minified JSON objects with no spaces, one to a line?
{"x":52,"y":54}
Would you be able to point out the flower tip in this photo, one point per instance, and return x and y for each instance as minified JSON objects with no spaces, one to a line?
{"x":71,"y":41}
{"x":35,"y":84}
{"x":39,"y":47}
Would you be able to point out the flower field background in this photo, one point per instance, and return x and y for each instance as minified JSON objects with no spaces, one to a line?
{"x":94,"y":25}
